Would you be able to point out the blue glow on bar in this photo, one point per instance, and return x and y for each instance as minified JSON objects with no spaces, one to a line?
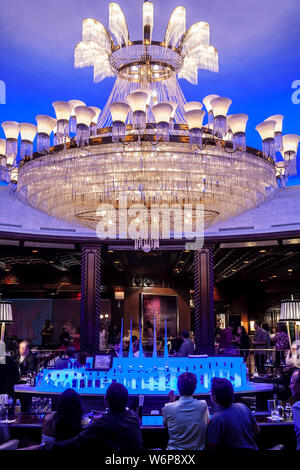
{"x":147,"y":375}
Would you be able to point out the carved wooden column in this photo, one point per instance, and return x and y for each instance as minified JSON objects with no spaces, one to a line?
{"x":204,"y":301}
{"x":90,"y":299}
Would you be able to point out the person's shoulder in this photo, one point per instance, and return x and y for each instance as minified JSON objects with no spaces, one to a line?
{"x":296,"y":406}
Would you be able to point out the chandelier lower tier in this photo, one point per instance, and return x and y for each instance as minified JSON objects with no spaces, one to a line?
{"x":74,"y":184}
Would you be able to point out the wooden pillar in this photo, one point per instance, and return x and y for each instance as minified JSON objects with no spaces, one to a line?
{"x":204,"y":301}
{"x":90,"y":299}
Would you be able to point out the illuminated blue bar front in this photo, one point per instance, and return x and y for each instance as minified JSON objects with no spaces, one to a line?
{"x":148,"y":375}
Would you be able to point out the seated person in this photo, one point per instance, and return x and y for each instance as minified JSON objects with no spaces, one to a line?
{"x":187,"y":346}
{"x":232,"y":426}
{"x":293,"y":357}
{"x":186,"y":418}
{"x":65,"y":361}
{"x":118,"y":429}
{"x":295,"y":389}
{"x":25,"y":359}
{"x":65,"y":423}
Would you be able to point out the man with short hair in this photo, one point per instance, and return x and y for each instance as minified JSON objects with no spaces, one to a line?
{"x":186,"y":418}
{"x":25,"y":359}
{"x":260,"y":341}
{"x":187,"y":347}
{"x":118,"y":429}
{"x":295,"y":389}
{"x":232,"y":426}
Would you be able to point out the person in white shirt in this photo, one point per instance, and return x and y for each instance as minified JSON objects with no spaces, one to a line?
{"x":186,"y":418}
{"x":293,"y":357}
{"x":295,"y":389}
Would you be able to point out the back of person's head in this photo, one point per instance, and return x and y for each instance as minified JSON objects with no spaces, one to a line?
{"x":265,"y":326}
{"x":258,"y":323}
{"x":187,"y":383}
{"x":117,"y":397}
{"x":68,"y":415}
{"x":185,"y":334}
{"x":222,"y":390}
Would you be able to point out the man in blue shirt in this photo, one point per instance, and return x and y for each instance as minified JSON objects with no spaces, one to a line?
{"x":233,"y":426}
{"x":186,"y":418}
{"x":295,"y":389}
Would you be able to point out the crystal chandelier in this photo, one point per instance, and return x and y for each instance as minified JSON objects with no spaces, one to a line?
{"x":148,"y":148}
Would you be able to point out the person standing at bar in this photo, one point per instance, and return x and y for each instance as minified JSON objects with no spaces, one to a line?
{"x":260,"y":341}
{"x":47,"y":334}
{"x":187,"y":346}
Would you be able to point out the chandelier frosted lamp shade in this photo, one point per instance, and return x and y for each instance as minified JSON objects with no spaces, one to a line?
{"x":266,"y":131}
{"x":138,"y":101}
{"x":220,"y":108}
{"x":45,"y":125}
{"x":148,"y":13}
{"x":209,"y":109}
{"x":74,"y":104}
{"x":119,"y":111}
{"x":191,"y":105}
{"x":11,"y":131}
{"x":237,"y":124}
{"x":162,"y":114}
{"x":84,"y":116}
{"x":207,"y":102}
{"x":278,"y":118}
{"x":290,"y":310}
{"x":290,"y":144}
{"x":28,"y":132}
{"x":194,"y":119}
{"x":62,"y":110}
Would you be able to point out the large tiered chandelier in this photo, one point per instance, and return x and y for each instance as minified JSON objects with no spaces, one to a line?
{"x":148,"y":146}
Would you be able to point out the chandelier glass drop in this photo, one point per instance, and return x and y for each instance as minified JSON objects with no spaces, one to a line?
{"x":147,"y":147}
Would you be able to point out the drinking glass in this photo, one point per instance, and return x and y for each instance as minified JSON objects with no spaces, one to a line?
{"x":272,"y":408}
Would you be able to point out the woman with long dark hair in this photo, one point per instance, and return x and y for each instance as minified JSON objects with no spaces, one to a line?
{"x":65,"y":423}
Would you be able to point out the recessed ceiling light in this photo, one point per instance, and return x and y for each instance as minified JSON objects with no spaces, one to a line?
{"x":245,"y":262}
{"x":51,"y":262}
{"x":181,"y":262}
{"x":263,"y":251}
{"x":234,"y":270}
{"x":117,"y":262}
{"x":290,"y":270}
{"x":110,"y":251}
{"x":35,"y":251}
{"x":274,"y":276}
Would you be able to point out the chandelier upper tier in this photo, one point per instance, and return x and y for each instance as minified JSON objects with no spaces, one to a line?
{"x":148,"y":147}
